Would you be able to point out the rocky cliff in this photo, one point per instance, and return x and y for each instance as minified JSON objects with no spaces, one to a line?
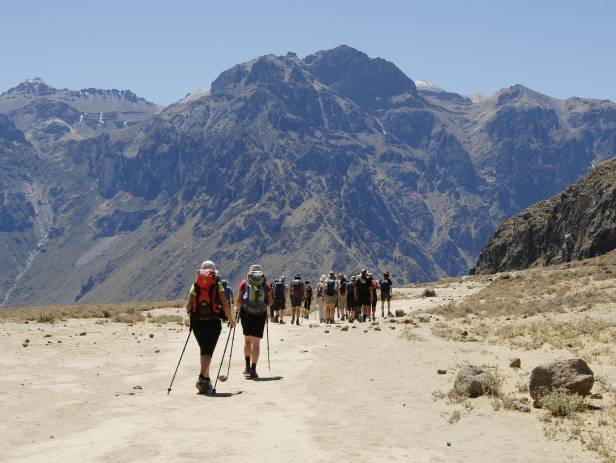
{"x":576,"y":224}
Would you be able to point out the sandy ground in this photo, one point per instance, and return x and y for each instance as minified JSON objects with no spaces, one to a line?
{"x":346,"y":396}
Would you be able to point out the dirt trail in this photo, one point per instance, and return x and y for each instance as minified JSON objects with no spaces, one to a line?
{"x":338,"y":396}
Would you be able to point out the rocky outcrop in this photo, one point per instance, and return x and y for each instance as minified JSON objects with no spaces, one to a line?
{"x":571,"y":375}
{"x":576,"y":224}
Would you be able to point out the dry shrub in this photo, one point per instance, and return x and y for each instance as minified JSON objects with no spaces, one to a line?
{"x":563,"y":403}
{"x":49,"y":314}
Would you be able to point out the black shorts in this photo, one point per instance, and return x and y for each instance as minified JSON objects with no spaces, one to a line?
{"x":307,"y":302}
{"x":279,"y":304}
{"x":296,"y":301}
{"x":252,"y":325}
{"x":363,"y":299}
{"x":385,"y":296}
{"x":206,"y":334}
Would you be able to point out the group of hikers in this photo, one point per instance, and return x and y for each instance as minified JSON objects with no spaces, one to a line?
{"x":210,"y":302}
{"x":336,"y":297}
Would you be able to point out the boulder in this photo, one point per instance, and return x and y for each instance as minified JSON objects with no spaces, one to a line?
{"x":400,"y":313}
{"x":515,"y":362}
{"x":571,"y":375}
{"x":428,"y":292}
{"x":345,"y":328}
{"x":472,"y":381}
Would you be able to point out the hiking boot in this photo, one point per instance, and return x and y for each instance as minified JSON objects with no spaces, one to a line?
{"x":204,"y":385}
{"x":247,"y":371}
{"x":253,"y":374}
{"x":297,"y":322}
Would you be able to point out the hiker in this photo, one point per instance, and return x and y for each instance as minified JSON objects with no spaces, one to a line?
{"x":207,"y":306}
{"x":386,"y":293}
{"x":374,"y":285}
{"x":363,"y":295}
{"x":320,"y":299}
{"x":297,"y":297}
{"x":351,"y":303}
{"x":307,"y":298}
{"x":253,"y":297}
{"x":342,"y":301}
{"x":280,"y":299}
{"x":330,"y":297}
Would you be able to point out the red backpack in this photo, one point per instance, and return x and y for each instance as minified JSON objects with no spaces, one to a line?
{"x":207,"y":297}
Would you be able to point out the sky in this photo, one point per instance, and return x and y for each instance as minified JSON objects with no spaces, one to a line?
{"x":162,"y":50}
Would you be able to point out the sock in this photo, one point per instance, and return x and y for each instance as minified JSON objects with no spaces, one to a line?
{"x":254,"y":366}
{"x":247,"y":359}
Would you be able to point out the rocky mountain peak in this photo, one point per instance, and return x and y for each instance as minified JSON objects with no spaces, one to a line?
{"x":367,"y":81}
{"x":36,"y":86}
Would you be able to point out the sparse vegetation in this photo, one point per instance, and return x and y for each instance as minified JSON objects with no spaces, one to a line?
{"x":563,"y":404}
{"x":50,"y":314}
{"x":163,"y":319}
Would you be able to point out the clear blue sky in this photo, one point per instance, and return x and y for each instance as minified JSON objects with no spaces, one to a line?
{"x":163,"y":49}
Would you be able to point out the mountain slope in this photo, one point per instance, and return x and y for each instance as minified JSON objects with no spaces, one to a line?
{"x":576,"y":224}
{"x":334,"y":161}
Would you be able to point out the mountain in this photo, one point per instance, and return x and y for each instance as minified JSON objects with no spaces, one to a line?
{"x":50,"y":116}
{"x":334,"y":161}
{"x":576,"y":224}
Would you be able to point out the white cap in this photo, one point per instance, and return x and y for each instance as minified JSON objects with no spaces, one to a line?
{"x":208,"y":264}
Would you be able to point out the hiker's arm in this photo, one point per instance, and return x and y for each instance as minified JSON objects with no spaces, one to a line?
{"x":238,"y":302}
{"x":227,"y":309}
{"x":190,"y":303}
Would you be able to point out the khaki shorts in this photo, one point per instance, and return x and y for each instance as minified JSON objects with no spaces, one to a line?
{"x":330,"y":300}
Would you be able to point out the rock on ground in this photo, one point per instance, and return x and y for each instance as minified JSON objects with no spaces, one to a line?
{"x":472,"y":381}
{"x":572,"y":375}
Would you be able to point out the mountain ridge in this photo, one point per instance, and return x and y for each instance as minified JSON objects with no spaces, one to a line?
{"x":286,"y":161}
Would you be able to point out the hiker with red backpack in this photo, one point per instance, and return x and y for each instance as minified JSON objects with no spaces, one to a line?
{"x":207,"y":306}
{"x":254,"y":295}
{"x":297,"y":297}
{"x":330,"y":297}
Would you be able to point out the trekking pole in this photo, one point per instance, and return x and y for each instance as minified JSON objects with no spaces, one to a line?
{"x":222,"y":360}
{"x":223,"y":378}
{"x":179,"y":361}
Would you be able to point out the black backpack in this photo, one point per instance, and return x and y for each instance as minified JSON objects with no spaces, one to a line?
{"x":363,"y":286}
{"x":308,"y":290}
{"x":330,"y":287}
{"x":279,"y":290}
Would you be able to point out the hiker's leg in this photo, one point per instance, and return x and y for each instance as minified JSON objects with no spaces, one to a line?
{"x":205,"y":365}
{"x":255,"y":350}
{"x":247,"y":343}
